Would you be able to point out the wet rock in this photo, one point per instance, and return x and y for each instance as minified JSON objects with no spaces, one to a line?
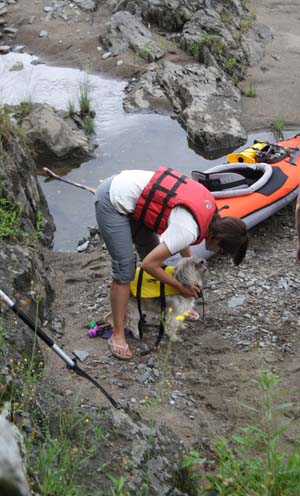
{"x":54,"y":136}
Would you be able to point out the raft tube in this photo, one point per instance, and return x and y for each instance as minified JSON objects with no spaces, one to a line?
{"x":266,"y":189}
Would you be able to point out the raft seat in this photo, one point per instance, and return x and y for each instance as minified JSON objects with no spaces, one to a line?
{"x":229,"y":180}
{"x":222,"y":181}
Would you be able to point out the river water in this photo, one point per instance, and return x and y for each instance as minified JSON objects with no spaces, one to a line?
{"x":125,"y":141}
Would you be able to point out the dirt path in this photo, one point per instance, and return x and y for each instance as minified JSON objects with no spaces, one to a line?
{"x":276,"y":78}
{"x":251,"y":324}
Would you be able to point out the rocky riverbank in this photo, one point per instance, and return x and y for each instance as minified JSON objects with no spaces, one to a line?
{"x":192,"y":391}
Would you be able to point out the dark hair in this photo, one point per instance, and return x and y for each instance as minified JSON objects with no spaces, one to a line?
{"x":232,"y":235}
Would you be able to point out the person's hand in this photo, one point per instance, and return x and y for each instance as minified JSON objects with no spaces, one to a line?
{"x":191,"y":292}
{"x":298,"y":253}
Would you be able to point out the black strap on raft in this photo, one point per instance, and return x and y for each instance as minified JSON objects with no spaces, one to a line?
{"x":71,"y":363}
{"x":169,"y":193}
{"x":215,"y":183}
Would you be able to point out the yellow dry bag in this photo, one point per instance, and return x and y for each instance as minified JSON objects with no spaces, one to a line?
{"x":150,"y":287}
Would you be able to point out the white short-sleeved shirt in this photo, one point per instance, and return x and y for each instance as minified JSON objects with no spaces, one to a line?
{"x":126,"y":188}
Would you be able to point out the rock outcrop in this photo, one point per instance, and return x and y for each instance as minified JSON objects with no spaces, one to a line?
{"x":13,"y":480}
{"x":206,"y":103}
{"x":19,"y":186}
{"x":126,"y":31}
{"x":222,"y":37}
{"x":54,"y":135}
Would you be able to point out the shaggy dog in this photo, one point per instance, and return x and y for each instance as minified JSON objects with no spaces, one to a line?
{"x":189,"y":271}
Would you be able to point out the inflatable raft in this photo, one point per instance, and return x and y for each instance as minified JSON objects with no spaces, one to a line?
{"x":254,"y":184}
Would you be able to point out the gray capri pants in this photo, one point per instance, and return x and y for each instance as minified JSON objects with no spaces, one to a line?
{"x":119,"y":233}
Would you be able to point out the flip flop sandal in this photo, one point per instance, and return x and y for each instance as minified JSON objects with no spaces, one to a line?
{"x":113,"y":347}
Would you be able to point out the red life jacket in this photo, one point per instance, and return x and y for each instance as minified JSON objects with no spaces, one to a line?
{"x":168,"y":189}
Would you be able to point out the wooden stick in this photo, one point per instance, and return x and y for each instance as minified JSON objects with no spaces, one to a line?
{"x":78,"y":185}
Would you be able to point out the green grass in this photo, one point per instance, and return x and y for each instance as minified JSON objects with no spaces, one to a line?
{"x":250,"y":90}
{"x":71,"y":108}
{"x":10,"y":222}
{"x":277,"y":128}
{"x":246,"y":22}
{"x":254,"y":462}
{"x":24,"y":109}
{"x":84,"y":97}
{"x":89,"y":126}
{"x":3,"y":341}
{"x":6,"y":126}
{"x":38,"y":225}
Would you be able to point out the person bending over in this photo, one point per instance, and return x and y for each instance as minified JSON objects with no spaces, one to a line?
{"x":161,"y":213}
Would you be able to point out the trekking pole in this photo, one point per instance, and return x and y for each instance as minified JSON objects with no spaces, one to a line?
{"x":71,"y":364}
{"x":78,"y":185}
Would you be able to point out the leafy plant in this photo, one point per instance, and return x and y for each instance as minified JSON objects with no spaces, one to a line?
{"x":186,"y":478}
{"x":254,"y":463}
{"x":195,"y":47}
{"x":118,"y":488}
{"x":229,"y":64}
{"x":147,"y":52}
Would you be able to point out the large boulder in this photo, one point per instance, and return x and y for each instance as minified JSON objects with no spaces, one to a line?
{"x":20,"y":187}
{"x":127,"y":31}
{"x":54,"y":135}
{"x":204,"y":100}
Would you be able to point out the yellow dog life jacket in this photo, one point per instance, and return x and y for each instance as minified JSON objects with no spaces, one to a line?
{"x":150,"y":286}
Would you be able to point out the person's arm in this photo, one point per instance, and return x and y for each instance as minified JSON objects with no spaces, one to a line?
{"x":297,"y":223}
{"x":186,"y":252}
{"x":152,"y":264}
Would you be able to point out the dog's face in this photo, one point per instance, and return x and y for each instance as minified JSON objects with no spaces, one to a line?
{"x":191,"y":271}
